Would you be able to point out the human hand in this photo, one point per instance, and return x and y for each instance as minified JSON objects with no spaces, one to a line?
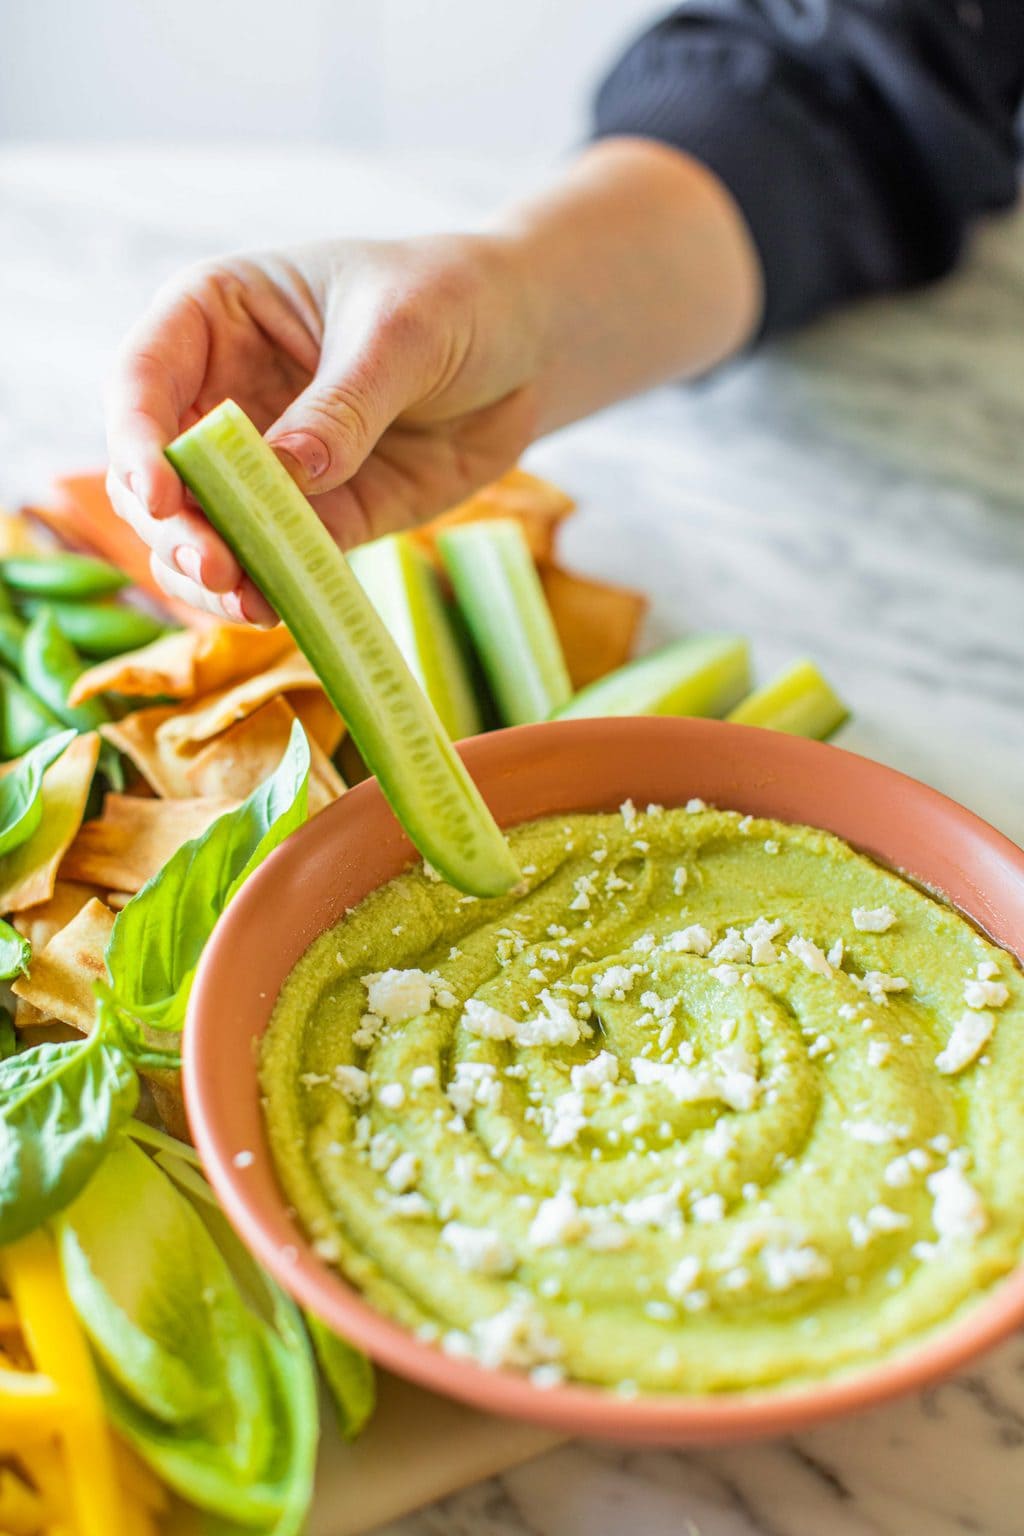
{"x":392,"y":379}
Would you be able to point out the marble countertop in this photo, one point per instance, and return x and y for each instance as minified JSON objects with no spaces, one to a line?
{"x":856,"y":494}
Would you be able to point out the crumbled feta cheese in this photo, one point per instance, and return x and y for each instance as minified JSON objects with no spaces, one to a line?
{"x":771,"y":845}
{"x":658,"y":1209}
{"x":412,"y":1207}
{"x":875,"y":1133}
{"x":353,"y":1083}
{"x":730,"y":1077}
{"x":513,"y":1337}
{"x":971,"y":1033}
{"x":478,"y":1249}
{"x":835,"y":954}
{"x":810,"y":955}
{"x":879,"y":1052}
{"x":679,"y":879}
{"x":728,"y":975}
{"x":555,"y":1027}
{"x":878,"y":985}
{"x":616,"y":981}
{"x":370,"y":1026}
{"x":988,"y":970}
{"x":695,"y":804}
{"x":873,"y":919}
{"x":786,"y":1266}
{"x":708,"y":1208}
{"x":695,"y":940}
{"x":957,"y":1213}
{"x":602,"y":1068}
{"x":682,"y":1279}
{"x":733,"y":947}
{"x":759,"y":936}
{"x":627,"y":810}
{"x":566,"y":1119}
{"x":423,"y":1077}
{"x":644,"y":944}
{"x":558,"y":1220}
{"x":986,"y":994}
{"x":398,"y":996}
{"x":402,"y":1173}
{"x":391,"y":1095}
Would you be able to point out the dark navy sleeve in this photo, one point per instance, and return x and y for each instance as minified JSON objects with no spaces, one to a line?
{"x":860,"y":138}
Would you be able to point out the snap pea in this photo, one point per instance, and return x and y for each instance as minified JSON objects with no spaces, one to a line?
{"x":12,"y":639}
{"x":100,"y":629}
{"x":24,"y":719}
{"x":49,"y":666}
{"x":62,"y":575}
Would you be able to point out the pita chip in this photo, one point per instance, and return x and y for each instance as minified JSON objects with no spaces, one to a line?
{"x":240,"y":758}
{"x":320,"y":720}
{"x":39,"y":924}
{"x":60,"y":980}
{"x":537,"y":505}
{"x":190,"y":725}
{"x":134,"y":838}
{"x":28,"y":874}
{"x":184,"y":664}
{"x":597,"y":623}
{"x":136,"y":736}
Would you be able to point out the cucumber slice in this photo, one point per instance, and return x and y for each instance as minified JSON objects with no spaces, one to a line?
{"x":400,"y":580}
{"x":701,"y":675}
{"x":502,"y":601}
{"x":798,"y":701}
{"x":260,"y":512}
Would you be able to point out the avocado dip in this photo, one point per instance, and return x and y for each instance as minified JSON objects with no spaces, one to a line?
{"x":716,"y":1104}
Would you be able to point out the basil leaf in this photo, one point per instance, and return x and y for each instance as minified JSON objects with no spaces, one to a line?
{"x":349,"y":1375}
{"x":21,"y":805}
{"x":15,"y":952}
{"x":158,"y":937}
{"x":215,"y":1390}
{"x":60,"y":1108}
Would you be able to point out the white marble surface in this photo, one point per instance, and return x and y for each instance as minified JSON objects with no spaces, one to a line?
{"x":857,"y":494}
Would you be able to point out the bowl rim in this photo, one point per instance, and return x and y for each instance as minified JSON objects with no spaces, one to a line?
{"x":499,"y":761}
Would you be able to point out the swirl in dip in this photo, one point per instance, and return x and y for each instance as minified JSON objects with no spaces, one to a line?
{"x":716,"y":1104}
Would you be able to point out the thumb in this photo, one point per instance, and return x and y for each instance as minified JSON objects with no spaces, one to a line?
{"x":330,"y":429}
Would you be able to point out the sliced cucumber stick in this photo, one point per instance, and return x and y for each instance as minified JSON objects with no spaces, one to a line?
{"x":260,"y":512}
{"x":798,"y":701}
{"x":400,"y":580}
{"x":502,"y":601}
{"x":701,"y":675}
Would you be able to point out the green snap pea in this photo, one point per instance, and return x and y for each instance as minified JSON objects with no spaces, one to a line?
{"x":62,"y":575}
{"x":100,"y":629}
{"x":24,"y":719}
{"x":49,"y":666}
{"x":12,"y":639}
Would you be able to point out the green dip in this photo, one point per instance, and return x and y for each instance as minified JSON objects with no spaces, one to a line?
{"x":717,"y":1104}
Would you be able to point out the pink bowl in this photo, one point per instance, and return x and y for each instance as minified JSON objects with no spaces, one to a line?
{"x":538,"y":770}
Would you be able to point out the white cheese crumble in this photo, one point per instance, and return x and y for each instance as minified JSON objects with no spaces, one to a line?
{"x":786,"y":1266}
{"x":957,"y":1213}
{"x":402,"y":1173}
{"x":478,"y":1249}
{"x":879,"y":1052}
{"x":391,"y":1095}
{"x":810,"y":955}
{"x":759,"y":936}
{"x":731,"y":1077}
{"x":836,"y":953}
{"x":728,"y":975}
{"x":513,"y":1337}
{"x":878,"y":985}
{"x":986,"y":994}
{"x":564,"y":1119}
{"x":602,"y":1068}
{"x":733,"y":947}
{"x":874,"y":1132}
{"x":708,"y":1208}
{"x":682,"y":1279}
{"x":616,"y":981}
{"x":628,"y":812}
{"x":556,"y":1026}
{"x":971,"y":1033}
{"x":658,"y":1209}
{"x":398,"y":996}
{"x":679,"y":879}
{"x":353,"y":1083}
{"x":873,"y":919}
{"x":423,"y":1077}
{"x":695,"y":804}
{"x":558,"y":1220}
{"x":694,"y":940}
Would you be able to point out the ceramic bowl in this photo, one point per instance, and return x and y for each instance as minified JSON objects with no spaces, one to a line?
{"x":356,"y":844}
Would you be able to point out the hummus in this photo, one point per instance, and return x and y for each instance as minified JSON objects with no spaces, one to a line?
{"x":716,"y":1104}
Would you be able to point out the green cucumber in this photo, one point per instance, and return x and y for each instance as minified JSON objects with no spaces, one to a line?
{"x":502,"y":601}
{"x":260,"y":512}
{"x":799,"y":701}
{"x":700,"y":675}
{"x":400,"y":580}
{"x":99,"y":629}
{"x":62,"y":575}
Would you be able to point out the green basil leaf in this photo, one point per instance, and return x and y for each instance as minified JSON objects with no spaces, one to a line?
{"x":349,"y":1375}
{"x":61,"y":1107}
{"x":21,"y":805}
{"x":159,"y":935}
{"x":15,"y":952}
{"x":206,"y":1371}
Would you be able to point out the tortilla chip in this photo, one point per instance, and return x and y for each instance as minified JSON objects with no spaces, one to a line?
{"x":133,"y":839}
{"x":320,"y":720}
{"x":240,"y":758}
{"x":45,"y":1031}
{"x":39,"y":924}
{"x":28,"y":874}
{"x":184,"y":664}
{"x":117,"y":900}
{"x":537,"y":505}
{"x":136,"y":736}
{"x":60,"y":980}
{"x":188,"y":726}
{"x":597,"y":623}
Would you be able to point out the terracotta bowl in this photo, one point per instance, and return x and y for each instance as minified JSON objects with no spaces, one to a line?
{"x":540,"y":770}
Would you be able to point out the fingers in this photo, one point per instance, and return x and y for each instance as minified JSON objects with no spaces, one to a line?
{"x":182,"y":540}
{"x":243,"y":605}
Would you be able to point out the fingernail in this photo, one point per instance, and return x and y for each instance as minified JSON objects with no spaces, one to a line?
{"x":309,"y":453}
{"x":189,"y":562}
{"x":231,"y":602}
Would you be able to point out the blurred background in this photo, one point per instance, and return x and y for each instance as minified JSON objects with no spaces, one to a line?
{"x":437,"y":74}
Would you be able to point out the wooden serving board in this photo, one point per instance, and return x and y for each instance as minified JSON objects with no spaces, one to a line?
{"x":417,"y":1448}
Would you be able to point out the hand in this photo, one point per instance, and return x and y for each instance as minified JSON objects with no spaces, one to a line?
{"x":392,"y":380}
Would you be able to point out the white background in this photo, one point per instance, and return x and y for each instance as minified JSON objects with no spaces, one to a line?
{"x":484,"y":76}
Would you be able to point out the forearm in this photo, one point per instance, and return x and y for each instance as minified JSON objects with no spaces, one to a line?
{"x":639,"y":269}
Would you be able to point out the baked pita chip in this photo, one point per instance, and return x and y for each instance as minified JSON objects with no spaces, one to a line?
{"x":537,"y":505}
{"x":19,"y":536}
{"x":597,"y":623}
{"x":28,"y":874}
{"x":136,"y":736}
{"x":239,"y":759}
{"x":320,"y":720}
{"x":39,"y":924}
{"x":133,"y":839}
{"x":188,"y":726}
{"x":60,"y":979}
{"x":185,"y":664}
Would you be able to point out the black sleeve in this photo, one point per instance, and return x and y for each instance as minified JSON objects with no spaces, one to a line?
{"x":860,"y":138}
